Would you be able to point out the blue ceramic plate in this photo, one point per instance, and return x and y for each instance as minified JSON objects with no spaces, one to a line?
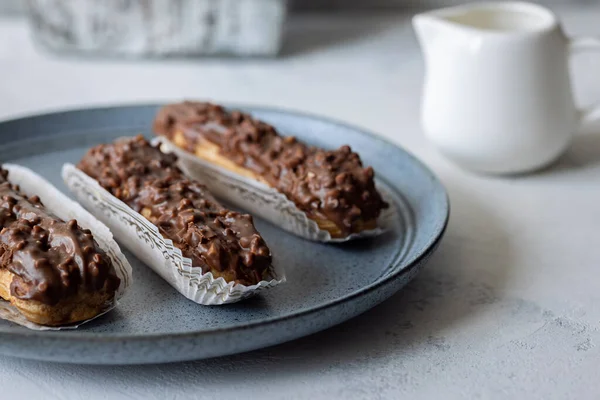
{"x":326,"y":284}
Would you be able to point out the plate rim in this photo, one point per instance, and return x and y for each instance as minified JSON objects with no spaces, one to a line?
{"x":431,"y":244}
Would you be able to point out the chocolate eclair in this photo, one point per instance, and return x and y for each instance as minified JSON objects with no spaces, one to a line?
{"x":216,"y":239}
{"x":330,"y":186}
{"x":52,"y":271}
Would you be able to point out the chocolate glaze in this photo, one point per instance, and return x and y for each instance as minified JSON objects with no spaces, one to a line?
{"x":325,"y":184}
{"x":51,"y":259}
{"x":216,"y":239}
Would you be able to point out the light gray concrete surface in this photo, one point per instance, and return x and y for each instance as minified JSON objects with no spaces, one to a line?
{"x":18,"y":6}
{"x":509,"y":307}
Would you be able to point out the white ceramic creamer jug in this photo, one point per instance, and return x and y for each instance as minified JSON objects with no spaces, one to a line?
{"x":497,"y":95}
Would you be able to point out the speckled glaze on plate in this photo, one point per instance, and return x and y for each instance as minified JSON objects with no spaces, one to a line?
{"x":326,"y":283}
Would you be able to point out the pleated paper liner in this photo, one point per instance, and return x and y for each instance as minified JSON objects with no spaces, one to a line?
{"x":144,"y":240}
{"x":66,"y":209}
{"x":261,"y":200}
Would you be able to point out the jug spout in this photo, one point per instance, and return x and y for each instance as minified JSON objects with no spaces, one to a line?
{"x":507,"y":17}
{"x":427,"y":26}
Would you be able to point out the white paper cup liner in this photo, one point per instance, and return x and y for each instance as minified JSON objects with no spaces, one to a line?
{"x":144,"y":240}
{"x":66,"y":209}
{"x":259,"y":199}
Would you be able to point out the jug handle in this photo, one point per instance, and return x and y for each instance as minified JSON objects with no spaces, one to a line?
{"x":578,"y":45}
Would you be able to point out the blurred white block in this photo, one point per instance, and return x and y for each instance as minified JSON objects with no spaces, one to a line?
{"x":159,"y":28}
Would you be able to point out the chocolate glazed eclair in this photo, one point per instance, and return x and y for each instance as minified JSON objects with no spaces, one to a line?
{"x":52,"y":271}
{"x":330,"y":187}
{"x":216,"y":239}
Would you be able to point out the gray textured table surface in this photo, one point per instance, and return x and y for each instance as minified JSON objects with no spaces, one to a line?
{"x":508,"y":308}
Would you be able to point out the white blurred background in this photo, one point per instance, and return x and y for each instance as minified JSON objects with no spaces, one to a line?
{"x":15,"y":6}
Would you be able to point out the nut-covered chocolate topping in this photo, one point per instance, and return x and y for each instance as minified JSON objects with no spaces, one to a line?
{"x":218,"y":240}
{"x":325,"y":184}
{"x":51,"y":259}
